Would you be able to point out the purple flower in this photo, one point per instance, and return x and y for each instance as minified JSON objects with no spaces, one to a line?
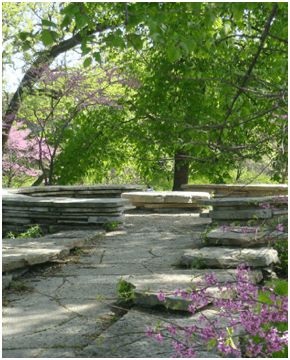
{"x":159,"y":338}
{"x":161,"y":296}
{"x":279,"y":227}
{"x":150,"y":332}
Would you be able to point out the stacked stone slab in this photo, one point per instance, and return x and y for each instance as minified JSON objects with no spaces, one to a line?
{"x":245,"y":209}
{"x":82,"y":191}
{"x":20,"y":212}
{"x":235,"y":190}
{"x":165,"y":199}
{"x":229,"y":249}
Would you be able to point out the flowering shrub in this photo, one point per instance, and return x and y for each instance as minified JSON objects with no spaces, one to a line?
{"x":241,"y":312}
{"x":261,"y":313}
{"x":281,"y":288}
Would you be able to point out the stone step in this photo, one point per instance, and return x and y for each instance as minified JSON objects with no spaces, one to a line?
{"x":236,"y":237}
{"x":230,"y":257}
{"x":168,"y":283}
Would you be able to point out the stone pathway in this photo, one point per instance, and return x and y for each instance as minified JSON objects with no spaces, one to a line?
{"x":54,"y":311}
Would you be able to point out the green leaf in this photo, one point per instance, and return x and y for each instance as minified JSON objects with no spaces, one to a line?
{"x":24,"y":35}
{"x":81,"y":20}
{"x":118,"y":42}
{"x":281,"y":5}
{"x":190,"y":44}
{"x":70,"y":9}
{"x":215,"y":136}
{"x":174,"y":53}
{"x":66,"y":21}
{"x":210,"y":344}
{"x":99,"y":341}
{"x":25,"y":47}
{"x":48,"y":23}
{"x":238,"y":11}
{"x":97,"y":57}
{"x":88,"y":62}
{"x":46,"y":37}
{"x":185,"y":48}
{"x":232,"y":344}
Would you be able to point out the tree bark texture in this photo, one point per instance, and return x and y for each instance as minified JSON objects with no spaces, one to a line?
{"x":180,"y":171}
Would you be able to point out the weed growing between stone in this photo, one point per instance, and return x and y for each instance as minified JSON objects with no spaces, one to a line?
{"x":15,"y":287}
{"x":33,"y":232}
{"x":111,"y":226}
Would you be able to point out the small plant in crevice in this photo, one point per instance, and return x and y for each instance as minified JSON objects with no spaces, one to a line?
{"x":125,"y":291}
{"x":33,"y":232}
{"x":111,"y":226}
{"x":198,"y":263}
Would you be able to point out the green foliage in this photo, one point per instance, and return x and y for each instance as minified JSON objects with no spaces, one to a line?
{"x":125,"y":291}
{"x":281,"y":288}
{"x":210,"y":86}
{"x":198,"y":263}
{"x":33,"y":232}
{"x":111,"y":226}
{"x":282,"y":248}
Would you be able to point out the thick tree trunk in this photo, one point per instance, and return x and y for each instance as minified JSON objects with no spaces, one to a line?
{"x":180,"y":171}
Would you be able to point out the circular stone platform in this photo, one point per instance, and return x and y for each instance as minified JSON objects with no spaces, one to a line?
{"x":165,"y":199}
{"x":231,"y":190}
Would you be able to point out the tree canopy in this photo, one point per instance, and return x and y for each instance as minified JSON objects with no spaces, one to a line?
{"x":209,"y":84}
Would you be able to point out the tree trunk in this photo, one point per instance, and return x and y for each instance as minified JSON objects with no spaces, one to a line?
{"x":180,"y":171}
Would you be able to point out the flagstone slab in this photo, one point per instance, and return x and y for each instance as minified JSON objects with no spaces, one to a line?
{"x":241,"y":214}
{"x":230,"y":257}
{"x":146,"y":288}
{"x":19,"y":252}
{"x":62,"y":202}
{"x":127,"y":337}
{"x":233,"y":190}
{"x":236,"y":237}
{"x":73,"y":189}
{"x":166,"y":199}
{"x":238,"y":201}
